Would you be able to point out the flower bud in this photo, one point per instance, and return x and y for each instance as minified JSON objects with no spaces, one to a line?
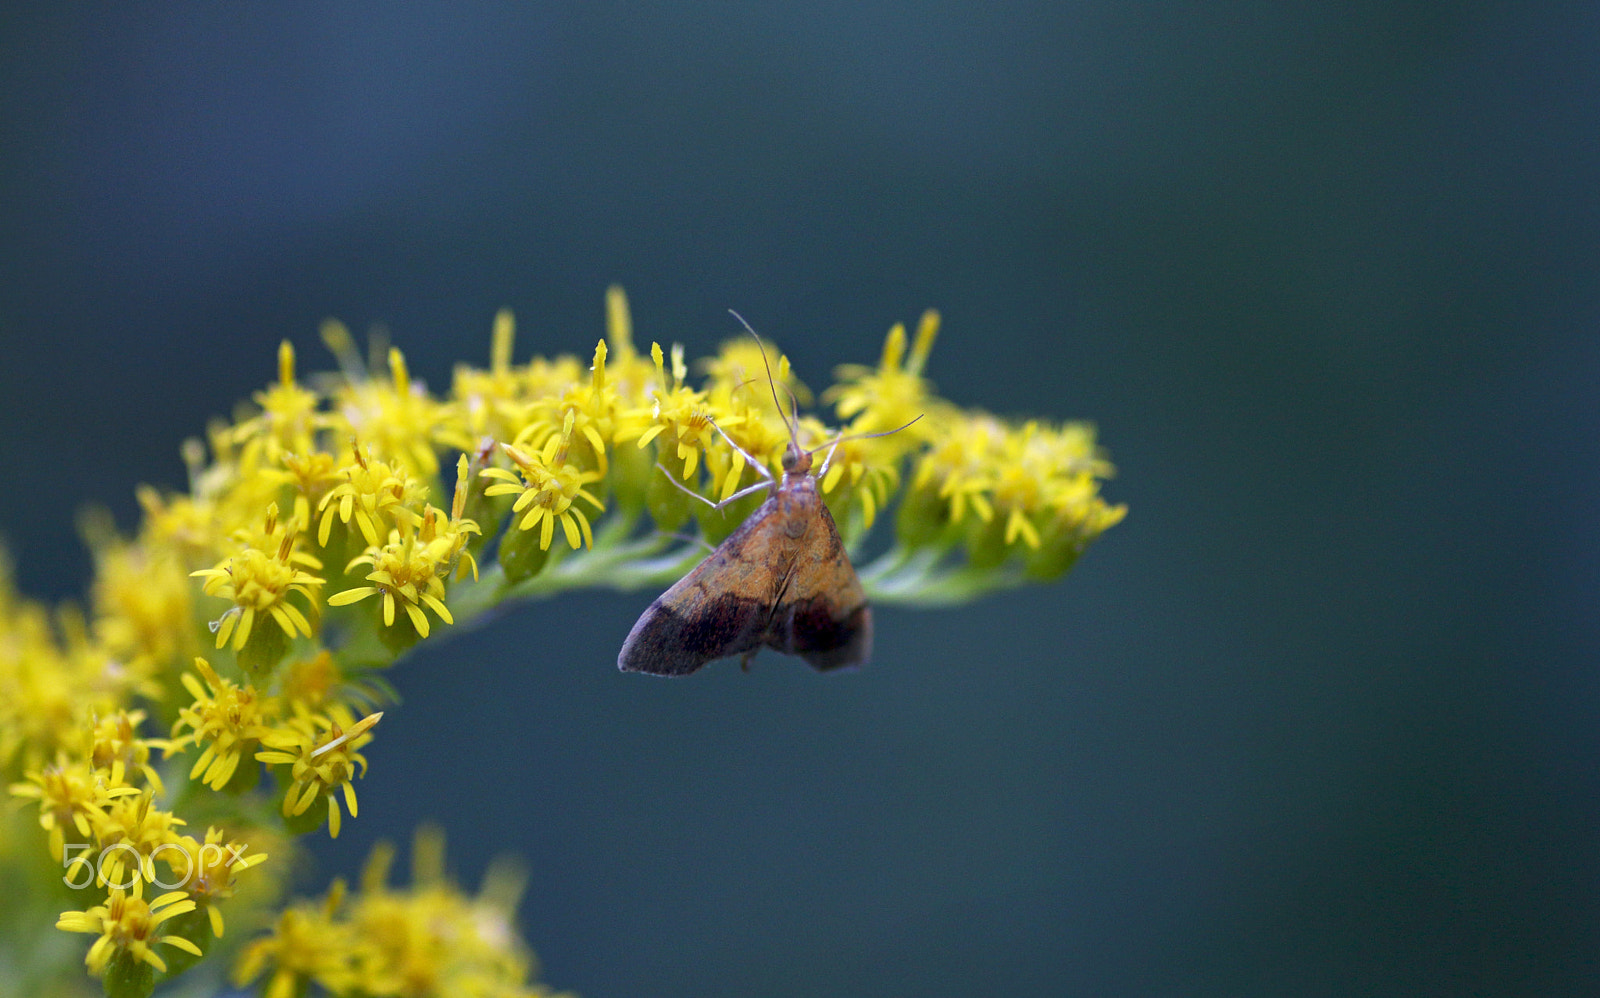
{"x":264,"y":649}
{"x":129,"y":977}
{"x":521,"y":557}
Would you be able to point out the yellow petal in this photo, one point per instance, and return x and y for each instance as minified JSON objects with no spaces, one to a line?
{"x":181,"y":943}
{"x":833,"y":477}
{"x":651,"y":434}
{"x":419,"y":620}
{"x":225,"y":627}
{"x":247,"y":622}
{"x":437,"y":605}
{"x":351,"y":595}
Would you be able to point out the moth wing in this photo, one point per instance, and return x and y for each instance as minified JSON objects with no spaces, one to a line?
{"x":823,"y":615}
{"x":720,"y":608}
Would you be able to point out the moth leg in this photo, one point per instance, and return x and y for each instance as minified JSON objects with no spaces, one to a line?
{"x":714,"y":505}
{"x":827,"y":460}
{"x":759,"y":466}
{"x":746,"y":658}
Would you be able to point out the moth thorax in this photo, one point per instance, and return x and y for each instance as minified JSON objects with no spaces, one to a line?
{"x":796,"y":461}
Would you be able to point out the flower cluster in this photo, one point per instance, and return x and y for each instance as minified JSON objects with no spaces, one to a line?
{"x":228,"y":672}
{"x":428,"y":939}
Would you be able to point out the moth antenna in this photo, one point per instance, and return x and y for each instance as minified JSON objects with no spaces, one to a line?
{"x":794,"y":426}
{"x":794,"y":402}
{"x":863,"y":436}
{"x":794,"y":408}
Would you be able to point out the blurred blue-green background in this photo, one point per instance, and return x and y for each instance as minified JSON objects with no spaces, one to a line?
{"x":1320,"y":718}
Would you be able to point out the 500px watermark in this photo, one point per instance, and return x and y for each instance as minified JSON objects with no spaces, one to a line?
{"x":92,"y":868}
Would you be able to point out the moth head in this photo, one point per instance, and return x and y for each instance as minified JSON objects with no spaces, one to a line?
{"x":795,"y":460}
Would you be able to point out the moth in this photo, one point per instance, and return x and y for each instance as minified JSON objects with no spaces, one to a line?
{"x":782,"y":580}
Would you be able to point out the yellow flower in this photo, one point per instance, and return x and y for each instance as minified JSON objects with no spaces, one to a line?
{"x":307,"y":945}
{"x":321,"y":763}
{"x":317,"y":682}
{"x":742,"y":366}
{"x":1012,"y":488}
{"x":894,"y":393}
{"x":960,"y":465}
{"x":546,"y":489}
{"x":405,"y":575}
{"x":228,"y":719}
{"x":863,"y":472}
{"x":288,"y":421}
{"x":428,"y":939}
{"x":260,"y":584}
{"x":374,"y":495}
{"x":489,"y":403}
{"x":126,"y":923}
{"x":546,"y":378}
{"x":586,"y":411}
{"x":741,"y":398}
{"x":50,"y":685}
{"x":432,"y":938}
{"x":409,"y":571}
{"x":206,"y":870}
{"x":677,"y":408}
{"x":311,"y":476}
{"x":71,"y":794}
{"x":132,"y":828}
{"x":143,"y":601}
{"x":187,"y":524}
{"x":398,"y":414}
{"x":115,"y":745}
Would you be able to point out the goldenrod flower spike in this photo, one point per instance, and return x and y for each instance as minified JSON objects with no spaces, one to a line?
{"x":596,"y":454}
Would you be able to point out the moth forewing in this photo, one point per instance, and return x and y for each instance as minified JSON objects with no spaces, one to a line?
{"x":781,"y":580}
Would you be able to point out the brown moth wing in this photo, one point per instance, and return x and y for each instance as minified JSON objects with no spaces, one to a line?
{"x":722,"y":607}
{"x":822,"y":614}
